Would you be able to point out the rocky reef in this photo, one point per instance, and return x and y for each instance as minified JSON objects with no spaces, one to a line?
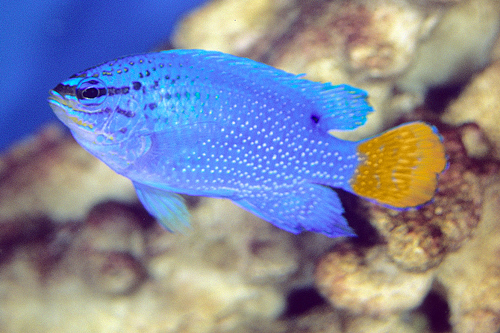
{"x":78,"y":252}
{"x":115,"y":268}
{"x":396,"y":50}
{"x":415,"y":253}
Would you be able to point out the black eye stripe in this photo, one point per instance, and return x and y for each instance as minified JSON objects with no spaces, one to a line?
{"x":65,"y":89}
{"x":118,"y":91}
{"x":91,"y":92}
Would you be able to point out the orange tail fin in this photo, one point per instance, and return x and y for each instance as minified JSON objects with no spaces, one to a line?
{"x":399,"y":168}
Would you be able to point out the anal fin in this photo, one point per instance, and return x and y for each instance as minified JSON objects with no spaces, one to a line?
{"x":300,"y":207}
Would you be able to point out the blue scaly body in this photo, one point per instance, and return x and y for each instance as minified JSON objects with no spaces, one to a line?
{"x":206,"y":123}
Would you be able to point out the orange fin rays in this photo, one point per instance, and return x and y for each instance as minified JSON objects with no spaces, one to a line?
{"x":399,"y":168}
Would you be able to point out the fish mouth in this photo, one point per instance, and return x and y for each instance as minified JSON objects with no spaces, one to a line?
{"x":56,"y":102}
{"x":66,"y":113}
{"x":78,"y":127}
{"x":55,"y":97}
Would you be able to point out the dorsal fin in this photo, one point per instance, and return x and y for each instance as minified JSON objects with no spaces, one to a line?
{"x":340,"y":107}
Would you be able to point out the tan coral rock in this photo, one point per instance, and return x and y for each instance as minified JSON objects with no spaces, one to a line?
{"x":396,"y":50}
{"x":227,"y":238}
{"x":460,"y":44}
{"x":480,"y":104}
{"x":118,"y":270}
{"x":321,"y":320}
{"x":111,"y":226}
{"x":108,"y":250}
{"x":471,"y":276}
{"x":453,"y":242}
{"x":46,"y":176}
{"x":389,"y":324}
{"x":115,"y":273}
{"x":118,"y":286}
{"x":229,"y":26}
{"x":365,"y":281}
{"x":364,"y":38}
{"x":495,"y":51}
{"x":475,"y":142}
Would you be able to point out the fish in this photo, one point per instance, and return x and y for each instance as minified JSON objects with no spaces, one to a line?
{"x":205,"y":123}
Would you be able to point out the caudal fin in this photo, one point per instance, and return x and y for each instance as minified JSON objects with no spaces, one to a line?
{"x":399,"y":168}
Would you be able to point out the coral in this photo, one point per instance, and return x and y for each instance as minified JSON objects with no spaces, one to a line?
{"x":460,"y":45}
{"x":471,"y":276}
{"x":388,"y":324}
{"x":231,"y":26}
{"x":477,"y":104}
{"x":366,"y":282}
{"x":117,"y":272}
{"x":232,"y":271}
{"x":117,"y":269}
{"x":396,"y":50}
{"x":107,"y":251}
{"x":449,"y":246}
{"x":46,"y":175}
{"x":475,"y":142}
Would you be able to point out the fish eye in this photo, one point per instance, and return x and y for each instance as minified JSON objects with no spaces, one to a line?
{"x":91,"y":92}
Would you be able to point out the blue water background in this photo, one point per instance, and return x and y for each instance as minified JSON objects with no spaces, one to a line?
{"x":44,"y":42}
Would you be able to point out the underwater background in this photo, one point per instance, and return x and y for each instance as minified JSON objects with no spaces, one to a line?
{"x":78,"y":253}
{"x":42,"y":42}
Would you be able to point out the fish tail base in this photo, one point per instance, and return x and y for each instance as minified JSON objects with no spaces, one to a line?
{"x":399,"y":168}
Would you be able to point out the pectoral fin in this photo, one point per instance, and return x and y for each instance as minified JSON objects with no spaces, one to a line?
{"x":167,"y":207}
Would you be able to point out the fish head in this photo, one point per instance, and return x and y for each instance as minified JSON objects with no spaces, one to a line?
{"x":97,"y":109}
{"x":103,"y":112}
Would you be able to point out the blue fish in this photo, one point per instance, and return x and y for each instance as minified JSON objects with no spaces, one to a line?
{"x":211,"y":124}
